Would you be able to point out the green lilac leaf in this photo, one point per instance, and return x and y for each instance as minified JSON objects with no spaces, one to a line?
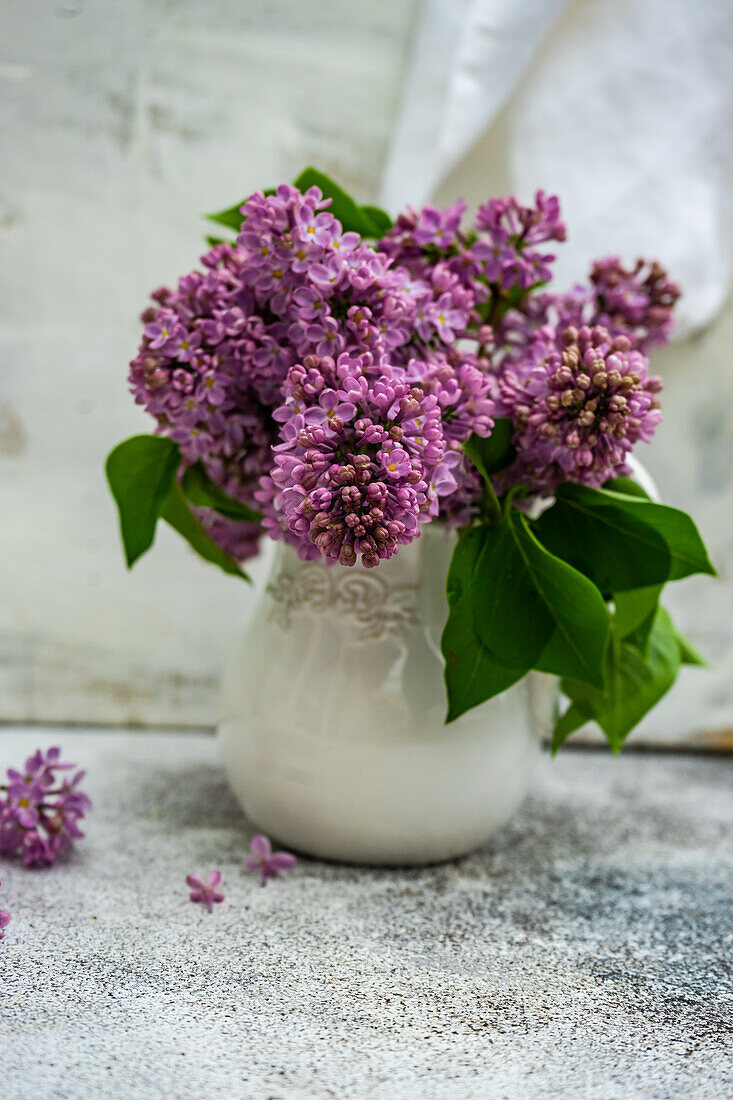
{"x":231,"y":218}
{"x":368,"y":221}
{"x":495,"y":452}
{"x":353,"y":218}
{"x":633,"y":686}
{"x":688,"y":654}
{"x":141,"y":472}
{"x":472,"y":673}
{"x":634,"y":614}
{"x":379,"y":217}
{"x":580,"y":619}
{"x":568,"y":723}
{"x":512,"y":620}
{"x":619,"y":541}
{"x":532,"y":609}
{"x":204,"y":493}
{"x":176,"y":512}
{"x":562,"y":654}
{"x":627,"y":486}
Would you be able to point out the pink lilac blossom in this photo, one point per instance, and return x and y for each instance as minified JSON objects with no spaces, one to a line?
{"x":188,"y":374}
{"x":4,"y":921}
{"x":276,"y":365}
{"x":463,"y":393}
{"x":498,"y":255}
{"x":206,"y":893}
{"x":636,"y":302}
{"x":266,"y":863}
{"x":580,"y":401}
{"x":353,"y":475}
{"x":489,"y":269}
{"x":216,"y":350}
{"x":509,"y":234}
{"x":40,"y":811}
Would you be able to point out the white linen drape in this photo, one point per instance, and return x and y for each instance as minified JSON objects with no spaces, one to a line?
{"x":624,"y":107}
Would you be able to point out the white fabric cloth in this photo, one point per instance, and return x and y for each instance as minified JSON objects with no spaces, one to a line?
{"x":623,"y":107}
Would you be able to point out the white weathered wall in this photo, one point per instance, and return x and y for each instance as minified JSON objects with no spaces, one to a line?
{"x":122,"y":120}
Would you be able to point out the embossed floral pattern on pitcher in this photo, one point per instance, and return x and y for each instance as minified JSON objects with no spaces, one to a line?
{"x":370,"y":605}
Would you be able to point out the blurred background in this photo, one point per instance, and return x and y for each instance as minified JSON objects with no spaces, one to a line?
{"x":124,"y":120}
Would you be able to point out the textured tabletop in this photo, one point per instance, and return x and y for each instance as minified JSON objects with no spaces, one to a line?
{"x":584,"y":953}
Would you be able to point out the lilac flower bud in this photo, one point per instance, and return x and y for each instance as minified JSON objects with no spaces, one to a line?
{"x":347,"y":554}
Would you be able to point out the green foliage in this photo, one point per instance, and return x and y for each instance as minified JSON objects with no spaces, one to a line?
{"x":634,"y":685}
{"x":369,"y":221}
{"x":529,"y":594}
{"x":472,"y":673}
{"x":204,"y":493}
{"x":231,"y":218}
{"x":688,"y":653}
{"x":535,"y":610}
{"x":627,"y":486}
{"x":621,"y":541}
{"x":142,"y":475}
{"x":513,"y":607}
{"x":634,"y":613}
{"x":379,"y":218}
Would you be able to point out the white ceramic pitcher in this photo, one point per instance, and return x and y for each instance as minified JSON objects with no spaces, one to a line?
{"x":333,"y":733}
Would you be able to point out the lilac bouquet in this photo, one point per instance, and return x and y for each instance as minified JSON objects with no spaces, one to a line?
{"x":335,"y":380}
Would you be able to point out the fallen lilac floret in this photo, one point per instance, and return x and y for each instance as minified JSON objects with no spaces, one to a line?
{"x":266,"y":863}
{"x":206,"y":892}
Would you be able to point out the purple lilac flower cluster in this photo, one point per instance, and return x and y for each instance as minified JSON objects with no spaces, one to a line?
{"x":579,"y":403}
{"x":216,"y":352}
{"x":635,"y":302}
{"x":354,"y":472}
{"x":490,"y":263}
{"x":485,"y":268}
{"x":40,"y":809}
{"x":331,"y":384}
{"x":569,"y":370}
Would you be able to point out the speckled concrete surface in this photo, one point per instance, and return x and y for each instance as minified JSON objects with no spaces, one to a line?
{"x":584,"y":953}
